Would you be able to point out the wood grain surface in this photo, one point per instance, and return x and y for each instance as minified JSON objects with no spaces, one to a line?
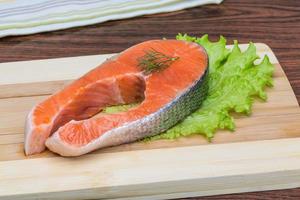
{"x":274,"y":22}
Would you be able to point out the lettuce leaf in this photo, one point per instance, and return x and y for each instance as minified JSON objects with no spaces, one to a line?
{"x":234,"y":81}
{"x":119,"y":108}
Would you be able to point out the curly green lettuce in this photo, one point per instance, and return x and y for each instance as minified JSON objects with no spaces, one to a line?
{"x":234,"y":82}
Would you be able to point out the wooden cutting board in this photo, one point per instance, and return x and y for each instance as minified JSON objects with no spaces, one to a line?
{"x":262,"y":154}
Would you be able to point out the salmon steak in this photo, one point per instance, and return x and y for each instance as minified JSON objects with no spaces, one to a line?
{"x":166,"y":77}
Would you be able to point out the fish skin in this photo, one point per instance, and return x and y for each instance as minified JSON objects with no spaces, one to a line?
{"x":155,"y":123}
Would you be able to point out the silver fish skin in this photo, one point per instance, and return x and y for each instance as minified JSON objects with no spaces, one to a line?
{"x":163,"y":119}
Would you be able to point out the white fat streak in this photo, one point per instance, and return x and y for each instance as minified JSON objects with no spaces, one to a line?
{"x":28,"y":131}
{"x":117,"y":92}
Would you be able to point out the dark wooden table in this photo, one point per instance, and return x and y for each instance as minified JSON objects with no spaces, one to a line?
{"x":274,"y":22}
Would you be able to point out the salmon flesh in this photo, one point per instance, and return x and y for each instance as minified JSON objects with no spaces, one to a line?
{"x":66,"y":123}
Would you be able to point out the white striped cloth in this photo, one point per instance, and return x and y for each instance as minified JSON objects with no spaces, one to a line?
{"x":22,"y":17}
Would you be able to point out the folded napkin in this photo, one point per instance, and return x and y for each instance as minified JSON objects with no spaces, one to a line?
{"x":19,"y":17}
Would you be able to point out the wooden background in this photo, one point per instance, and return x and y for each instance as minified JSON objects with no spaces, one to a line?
{"x":274,"y":22}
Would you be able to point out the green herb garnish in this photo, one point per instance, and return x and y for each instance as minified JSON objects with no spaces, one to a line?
{"x":154,"y":60}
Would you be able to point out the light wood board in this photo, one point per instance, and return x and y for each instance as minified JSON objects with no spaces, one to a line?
{"x":262,"y":154}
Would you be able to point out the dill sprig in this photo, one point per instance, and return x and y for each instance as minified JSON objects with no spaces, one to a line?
{"x":154,"y":60}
